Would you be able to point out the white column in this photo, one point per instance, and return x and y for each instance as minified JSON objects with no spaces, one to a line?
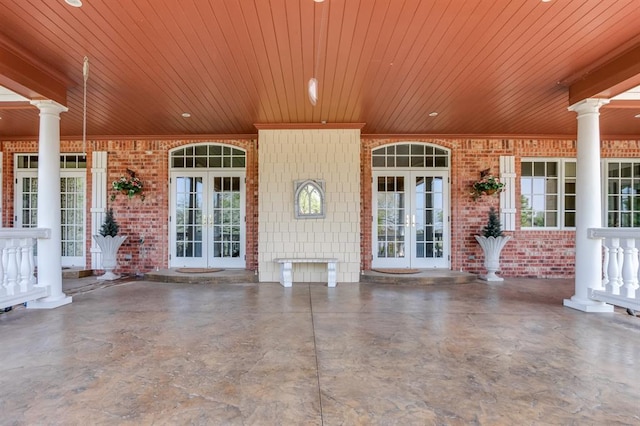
{"x":49,"y":250}
{"x":588,"y":263}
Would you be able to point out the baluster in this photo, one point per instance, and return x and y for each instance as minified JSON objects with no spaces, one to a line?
{"x":613,"y":269}
{"x":3,"y":282}
{"x":637,"y":261}
{"x":25,"y":267}
{"x":605,"y":263}
{"x":32,"y":262}
{"x":12,"y":268}
{"x":630,"y":268}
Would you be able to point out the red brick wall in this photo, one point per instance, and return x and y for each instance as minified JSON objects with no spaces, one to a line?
{"x":544,"y":254}
{"x":149,"y":159}
{"x":529,"y":254}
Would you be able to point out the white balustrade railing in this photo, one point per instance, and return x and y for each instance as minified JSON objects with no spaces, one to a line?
{"x":18,"y":282}
{"x":620,"y":267}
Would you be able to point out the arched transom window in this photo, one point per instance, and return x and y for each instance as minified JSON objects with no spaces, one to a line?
{"x":208,"y":156}
{"x":410,"y":155}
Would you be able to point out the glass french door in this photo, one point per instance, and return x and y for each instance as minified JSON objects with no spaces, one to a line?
{"x":72,"y":214}
{"x":411,"y":225}
{"x":207,"y":219}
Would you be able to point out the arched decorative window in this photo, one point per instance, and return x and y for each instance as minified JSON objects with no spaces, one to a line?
{"x":410,"y":155}
{"x":208,"y":156}
{"x":309,"y":199}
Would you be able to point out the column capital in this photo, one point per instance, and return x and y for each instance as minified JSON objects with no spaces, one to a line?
{"x":588,"y":106}
{"x":49,"y":106}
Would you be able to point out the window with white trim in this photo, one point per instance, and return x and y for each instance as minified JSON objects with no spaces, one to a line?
{"x":547,"y":193}
{"x":622,"y":193}
{"x":309,"y":199}
{"x":72,"y":201}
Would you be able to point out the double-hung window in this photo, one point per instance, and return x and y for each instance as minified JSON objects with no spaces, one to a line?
{"x":547,"y":193}
{"x":623,"y":193}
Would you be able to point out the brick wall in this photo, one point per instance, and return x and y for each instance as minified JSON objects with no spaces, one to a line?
{"x":150,"y":218}
{"x":544,"y":254}
{"x":138,"y":219}
{"x":529,"y":253}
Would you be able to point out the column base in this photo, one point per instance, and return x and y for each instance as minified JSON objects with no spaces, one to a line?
{"x":50,"y":303}
{"x":587,"y":305}
{"x":491,"y":277}
{"x":108,"y":276}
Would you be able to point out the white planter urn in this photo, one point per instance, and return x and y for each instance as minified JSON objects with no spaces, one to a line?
{"x":492,"y":246}
{"x":109,"y":246}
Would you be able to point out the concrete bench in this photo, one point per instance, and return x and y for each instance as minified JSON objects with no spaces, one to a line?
{"x":286,"y":266}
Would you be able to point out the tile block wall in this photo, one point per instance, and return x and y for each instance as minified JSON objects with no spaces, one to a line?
{"x":289,"y":155}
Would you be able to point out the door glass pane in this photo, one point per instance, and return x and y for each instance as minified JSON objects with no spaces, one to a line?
{"x":226,"y":217}
{"x":391,"y":216}
{"x":29,"y":202}
{"x":429,"y":217}
{"x":72,"y":210}
{"x":72,"y":213}
{"x":189,"y":216}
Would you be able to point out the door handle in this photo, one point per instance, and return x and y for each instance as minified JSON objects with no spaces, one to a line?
{"x":413,"y":220}
{"x":406,"y":220}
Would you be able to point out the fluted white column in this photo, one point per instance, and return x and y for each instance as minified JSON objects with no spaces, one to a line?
{"x":588,"y":208}
{"x":49,"y":250}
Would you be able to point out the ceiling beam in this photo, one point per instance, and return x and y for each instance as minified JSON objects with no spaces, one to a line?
{"x":624,"y":104}
{"x":26,"y":77}
{"x":16,"y":105}
{"x":610,"y":79}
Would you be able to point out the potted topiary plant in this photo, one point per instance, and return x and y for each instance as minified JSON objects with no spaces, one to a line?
{"x":109,"y":242}
{"x":492,"y":241}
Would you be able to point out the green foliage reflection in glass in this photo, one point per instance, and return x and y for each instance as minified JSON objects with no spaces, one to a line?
{"x":309,"y":200}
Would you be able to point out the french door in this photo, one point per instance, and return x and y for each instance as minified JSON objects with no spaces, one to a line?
{"x":72,"y":214}
{"x":207,"y":219}
{"x":411,"y":219}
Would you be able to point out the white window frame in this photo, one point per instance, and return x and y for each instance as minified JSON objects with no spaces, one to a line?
{"x":318,"y":187}
{"x":561,"y":194}
{"x":207,"y":160}
{"x":32,"y":172}
{"x":605,"y":188}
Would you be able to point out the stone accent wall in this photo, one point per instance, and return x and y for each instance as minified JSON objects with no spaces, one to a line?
{"x":290,"y":155}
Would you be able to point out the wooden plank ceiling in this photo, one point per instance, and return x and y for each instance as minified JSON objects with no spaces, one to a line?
{"x":487,"y":67}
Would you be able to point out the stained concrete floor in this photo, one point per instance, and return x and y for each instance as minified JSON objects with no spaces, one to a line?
{"x":140,"y":352}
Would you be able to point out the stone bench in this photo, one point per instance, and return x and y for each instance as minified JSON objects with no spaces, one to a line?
{"x":286,"y":266}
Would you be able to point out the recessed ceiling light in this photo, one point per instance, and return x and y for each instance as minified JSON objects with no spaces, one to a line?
{"x":186,"y":115}
{"x":74,"y":3}
{"x":433,"y":114}
{"x":312,"y":91}
{"x":319,"y":1}
{"x":637,"y":116}
{"x":546,"y":1}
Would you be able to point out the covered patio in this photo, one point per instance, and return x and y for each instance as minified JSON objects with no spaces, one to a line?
{"x":143,"y":352}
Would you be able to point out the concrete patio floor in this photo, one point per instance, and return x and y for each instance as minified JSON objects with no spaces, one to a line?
{"x":141,"y":352}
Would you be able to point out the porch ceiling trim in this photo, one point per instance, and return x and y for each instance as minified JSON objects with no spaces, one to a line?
{"x":612,"y":78}
{"x":294,"y":126}
{"x":29,"y":78}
